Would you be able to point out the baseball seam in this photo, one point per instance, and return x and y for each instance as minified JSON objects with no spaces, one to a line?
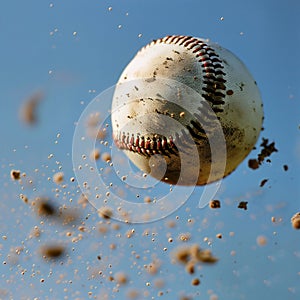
{"x":214,"y":82}
{"x":148,"y":146}
{"x":212,"y":91}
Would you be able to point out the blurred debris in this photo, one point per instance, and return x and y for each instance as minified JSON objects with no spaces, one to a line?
{"x":45,"y":207}
{"x":28,"y":111}
{"x":58,"y":177}
{"x":53,"y":251}
{"x":192,"y":255}
{"x":261,"y":240}
{"x":105,"y":212}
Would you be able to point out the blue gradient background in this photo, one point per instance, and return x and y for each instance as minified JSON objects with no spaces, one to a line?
{"x":93,"y":60}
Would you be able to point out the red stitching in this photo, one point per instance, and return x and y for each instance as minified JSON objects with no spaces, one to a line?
{"x":156,"y":145}
{"x":211,"y":66}
{"x":214,"y":85}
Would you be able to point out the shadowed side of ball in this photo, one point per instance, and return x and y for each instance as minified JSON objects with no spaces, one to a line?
{"x":184,"y":97}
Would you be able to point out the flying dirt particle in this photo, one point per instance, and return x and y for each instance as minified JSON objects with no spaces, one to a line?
{"x":24,"y":198}
{"x":15,"y":174}
{"x":153,"y":267}
{"x":147,"y":199}
{"x":196,"y":281}
{"x":261,"y":240}
{"x":112,"y":246}
{"x":28,"y":112}
{"x":105,"y":212}
{"x":35,"y":232}
{"x":184,"y":237}
{"x":106,"y":157}
{"x":95,"y":155}
{"x":193,"y":254}
{"x":58,"y":177}
{"x":121,"y":278}
{"x":190,"y":267}
{"x":183,"y":255}
{"x":263,"y":182}
{"x":44,"y":207}
{"x":115,"y":226}
{"x":82,"y":228}
{"x":129,"y":233}
{"x":243,"y":205}
{"x":214,"y":204}
{"x":52,"y":251}
{"x":285,"y":167}
{"x":296,"y":220}
{"x":47,"y":208}
{"x":83,"y":201}
{"x":219,"y":235}
{"x":266,"y":151}
{"x":253,"y":164}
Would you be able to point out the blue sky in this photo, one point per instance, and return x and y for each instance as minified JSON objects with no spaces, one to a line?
{"x":74,"y":50}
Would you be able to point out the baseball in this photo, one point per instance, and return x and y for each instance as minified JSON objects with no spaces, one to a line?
{"x":186,"y":111}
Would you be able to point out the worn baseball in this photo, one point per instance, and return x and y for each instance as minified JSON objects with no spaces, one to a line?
{"x":177,"y":95}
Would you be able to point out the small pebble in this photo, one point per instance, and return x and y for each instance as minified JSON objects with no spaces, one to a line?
{"x":214,"y":204}
{"x":15,"y":174}
{"x":296,"y":220}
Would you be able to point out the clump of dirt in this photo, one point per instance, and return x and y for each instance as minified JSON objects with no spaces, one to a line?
{"x":15,"y":174}
{"x":263,"y":182}
{"x":214,"y":204}
{"x":296,"y":220}
{"x":243,"y":205}
{"x":52,"y":251}
{"x":192,"y":255}
{"x":266,"y":151}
